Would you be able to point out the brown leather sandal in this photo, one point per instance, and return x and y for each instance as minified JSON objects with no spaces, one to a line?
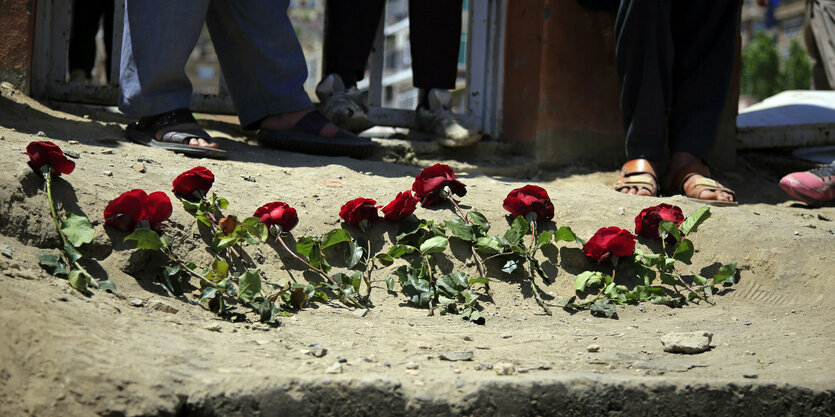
{"x":695,"y":188}
{"x":638,"y":173}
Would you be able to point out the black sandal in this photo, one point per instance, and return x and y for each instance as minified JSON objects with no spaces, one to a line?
{"x":304,"y":138}
{"x":144,"y":132}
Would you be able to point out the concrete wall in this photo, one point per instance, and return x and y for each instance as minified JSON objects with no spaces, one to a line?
{"x":17,"y":24}
{"x":561,"y":95}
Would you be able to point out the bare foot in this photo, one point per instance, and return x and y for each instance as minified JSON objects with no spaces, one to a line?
{"x":691,"y":186}
{"x":286,"y":121}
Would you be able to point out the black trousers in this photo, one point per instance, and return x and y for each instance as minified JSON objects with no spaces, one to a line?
{"x":675,"y":59}
{"x":434,"y":30}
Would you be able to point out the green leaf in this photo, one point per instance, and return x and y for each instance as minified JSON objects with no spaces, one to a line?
{"x":304,"y":246}
{"x":408,"y":229}
{"x":398,"y":251}
{"x":434,"y":245}
{"x":171,"y":280}
{"x":334,"y":237}
{"x":518,"y":229}
{"x":564,"y":234}
{"x":544,"y":239}
{"x":267,"y":311}
{"x":452,"y":284}
{"x":207,"y":294}
{"x":77,"y":229}
{"x":72,"y":253}
{"x":353,"y":254}
{"x":385,"y":259}
{"x":390,"y":284}
{"x":205,"y":220}
{"x":488,"y":245}
{"x":221,"y":243}
{"x":221,"y":202}
{"x":461,"y":229}
{"x":684,"y":251}
{"x":611,"y":291}
{"x":256,"y":229}
{"x":190,"y":205}
{"x":78,"y":281}
{"x":694,"y":220}
{"x":669,"y":228}
{"x":479,"y":280}
{"x":668,"y":279}
{"x":479,"y":220}
{"x":644,"y":275}
{"x":726,"y":273}
{"x":700,"y":280}
{"x":53,"y":264}
{"x":510,"y":266}
{"x":145,"y":239}
{"x":587,"y":279}
{"x":603,"y":307}
{"x":249,"y":286}
{"x":220,"y":268}
{"x":106,"y":285}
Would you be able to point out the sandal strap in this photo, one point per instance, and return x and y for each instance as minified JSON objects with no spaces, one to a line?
{"x":183,"y":135}
{"x":637,"y":166}
{"x":638,"y":173}
{"x":700,"y":185}
{"x":682,"y":175}
{"x":312,"y":123}
{"x":156,"y":123}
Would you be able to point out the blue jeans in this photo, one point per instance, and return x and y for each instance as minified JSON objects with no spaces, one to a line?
{"x":256,"y":45}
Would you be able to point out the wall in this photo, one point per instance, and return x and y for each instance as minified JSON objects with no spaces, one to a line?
{"x":17,"y":22}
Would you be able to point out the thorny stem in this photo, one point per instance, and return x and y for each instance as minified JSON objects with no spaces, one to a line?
{"x":369,"y":265}
{"x":315,"y":269}
{"x":168,"y":252}
{"x":479,"y":262}
{"x":432,"y":283}
{"x":531,"y":271}
{"x":677,"y":275}
{"x":48,"y":178}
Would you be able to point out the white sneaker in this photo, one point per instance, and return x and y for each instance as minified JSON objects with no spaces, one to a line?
{"x":342,"y":106}
{"x":448,"y":128}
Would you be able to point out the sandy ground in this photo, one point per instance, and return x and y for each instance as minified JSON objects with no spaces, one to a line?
{"x":62,"y":353}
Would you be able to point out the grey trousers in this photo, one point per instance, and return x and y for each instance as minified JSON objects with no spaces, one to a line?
{"x":256,"y":45}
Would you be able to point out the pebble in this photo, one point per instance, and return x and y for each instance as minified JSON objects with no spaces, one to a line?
{"x":687,"y":342}
{"x":26,"y":274}
{"x":248,"y":178}
{"x":86,"y":116}
{"x":213,"y":327}
{"x":746,"y":323}
{"x":6,"y":250}
{"x":2,"y":137}
{"x":72,"y":142}
{"x":72,"y":154}
{"x":107,"y":173}
{"x":457,"y":356}
{"x":106,"y":152}
{"x":593,"y":348}
{"x":336,"y":368}
{"x":317,"y":352}
{"x":361,"y":312}
{"x":63,"y":298}
{"x":137,"y":302}
{"x":139,"y":168}
{"x":750,"y":376}
{"x":504,"y":368}
{"x":459,"y":382}
{"x":424,"y":396}
{"x":163,"y":307}
{"x":748,"y":352}
{"x":412,"y":365}
{"x":41,"y":133}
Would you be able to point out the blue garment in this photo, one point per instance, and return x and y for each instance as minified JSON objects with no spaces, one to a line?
{"x":256,"y":45}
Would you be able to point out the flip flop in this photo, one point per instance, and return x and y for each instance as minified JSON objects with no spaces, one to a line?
{"x":698,"y":186}
{"x":638,"y":173}
{"x":304,"y":138}
{"x":175,"y":140}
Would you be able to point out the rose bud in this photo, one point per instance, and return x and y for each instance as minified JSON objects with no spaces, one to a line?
{"x":529,"y":199}
{"x":609,"y":241}
{"x":646,"y":223}
{"x":189,"y":183}
{"x":278,"y":214}
{"x":47,"y":153}
{"x":430,"y":184}
{"x":402,"y":205}
{"x":227,"y":224}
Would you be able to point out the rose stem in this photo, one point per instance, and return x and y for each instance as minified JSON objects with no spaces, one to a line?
{"x":535,"y":290}
{"x":170,"y":253}
{"x":678,"y":275}
{"x":216,"y":226}
{"x":48,"y":177}
{"x":432,"y":283}
{"x":315,"y":269}
{"x":479,"y":263}
{"x":369,"y":265}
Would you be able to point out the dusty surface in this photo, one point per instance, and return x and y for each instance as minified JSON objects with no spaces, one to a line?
{"x":65,"y":354}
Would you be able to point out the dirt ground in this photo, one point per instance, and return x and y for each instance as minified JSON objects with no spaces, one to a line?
{"x":62,"y":353}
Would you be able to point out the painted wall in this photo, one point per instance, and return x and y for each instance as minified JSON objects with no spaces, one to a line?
{"x":17,"y":23}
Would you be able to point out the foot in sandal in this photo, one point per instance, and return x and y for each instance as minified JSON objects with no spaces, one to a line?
{"x":638,"y":177}
{"x":691,"y":177}
{"x":176,"y":131}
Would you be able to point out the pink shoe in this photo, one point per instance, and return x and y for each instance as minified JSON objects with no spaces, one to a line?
{"x":815,"y":187}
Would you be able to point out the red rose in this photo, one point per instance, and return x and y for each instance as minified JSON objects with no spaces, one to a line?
{"x":125,"y":211}
{"x":47,"y":153}
{"x":359,"y":209}
{"x":197,"y":178}
{"x":431,"y":181}
{"x":646,"y":223}
{"x":609,"y":241}
{"x":402,"y":206}
{"x":530,"y":198}
{"x":278,"y":213}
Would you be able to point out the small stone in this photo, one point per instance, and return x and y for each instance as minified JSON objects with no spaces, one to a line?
{"x":748,"y":352}
{"x":248,"y":178}
{"x":750,"y":376}
{"x":505,"y":368}
{"x":72,"y":154}
{"x":6,"y":250}
{"x":467,"y":338}
{"x":317,"y":352}
{"x":27,"y":274}
{"x":457,"y":356}
{"x":72,"y":142}
{"x":106,"y":152}
{"x":137,"y":302}
{"x":41,"y":133}
{"x":213,"y":327}
{"x":412,"y":365}
{"x":361,"y":312}
{"x":139,"y":168}
{"x":336,"y":368}
{"x":163,"y":307}
{"x":107,"y":173}
{"x":86,"y":116}
{"x":484,"y":366}
{"x":63,"y":298}
{"x":746,"y":323}
{"x":459,"y":382}
{"x":2,"y":137}
{"x":796,"y":233}
{"x":424,"y":396}
{"x":593,"y":348}
{"x":687,"y":342}
{"x":507,"y":336}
